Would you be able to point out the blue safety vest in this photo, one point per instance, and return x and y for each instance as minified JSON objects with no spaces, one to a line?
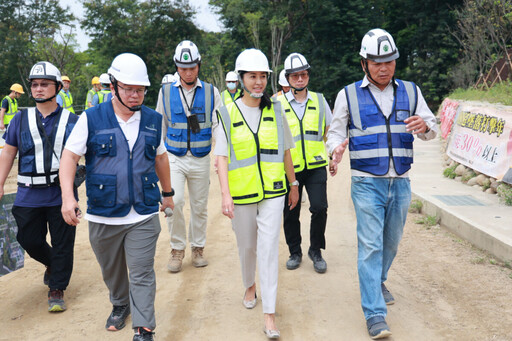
{"x":180,"y":138}
{"x":375,"y":139}
{"x":118,"y":178}
{"x":39,"y":155}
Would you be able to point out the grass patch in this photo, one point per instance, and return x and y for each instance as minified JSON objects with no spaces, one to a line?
{"x":450,"y":172}
{"x":416,"y":206}
{"x":468,"y":175}
{"x":478,"y":260}
{"x":505,"y":193}
{"x":428,"y":220}
{"x":499,"y":93}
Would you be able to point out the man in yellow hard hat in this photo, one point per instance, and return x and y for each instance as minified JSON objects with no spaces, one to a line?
{"x":10,"y":105}
{"x":96,"y":86}
{"x":64,"y":99}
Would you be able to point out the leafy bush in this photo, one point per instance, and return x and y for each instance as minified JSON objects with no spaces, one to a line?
{"x":450,"y":172}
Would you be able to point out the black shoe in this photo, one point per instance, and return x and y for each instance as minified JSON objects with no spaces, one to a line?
{"x":142,"y":334}
{"x":388,"y":298}
{"x":294,"y":261}
{"x":116,"y":320}
{"x":377,"y":327}
{"x":318,"y":262}
{"x":46,"y":277}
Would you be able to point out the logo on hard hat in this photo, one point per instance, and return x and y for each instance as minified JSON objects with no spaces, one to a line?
{"x":38,"y":70}
{"x":386,"y":48}
{"x":186,"y":56}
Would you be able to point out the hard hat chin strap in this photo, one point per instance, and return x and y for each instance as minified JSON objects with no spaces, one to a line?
{"x":116,"y":89}
{"x":44,"y":100}
{"x":250,"y":93}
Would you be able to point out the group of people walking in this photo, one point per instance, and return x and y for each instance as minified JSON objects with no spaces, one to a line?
{"x":267,"y":151}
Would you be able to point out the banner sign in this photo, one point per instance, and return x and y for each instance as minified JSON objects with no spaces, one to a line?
{"x":481,"y":137}
{"x":12,"y":255}
{"x":449,"y":110}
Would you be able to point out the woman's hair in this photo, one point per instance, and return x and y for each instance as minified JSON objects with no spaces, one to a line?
{"x":265,"y":99}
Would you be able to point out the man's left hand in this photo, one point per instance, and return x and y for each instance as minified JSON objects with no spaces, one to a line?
{"x":415,"y":124}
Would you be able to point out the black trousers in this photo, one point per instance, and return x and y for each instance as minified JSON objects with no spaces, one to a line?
{"x":315,"y":181}
{"x":33,"y":225}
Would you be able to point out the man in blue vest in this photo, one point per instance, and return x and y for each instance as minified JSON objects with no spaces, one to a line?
{"x":382,"y":115}
{"x":309,"y":117}
{"x":188,"y":106}
{"x":39,"y":134}
{"x":125,"y":158}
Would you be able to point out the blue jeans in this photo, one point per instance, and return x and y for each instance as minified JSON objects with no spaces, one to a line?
{"x":381,"y":206}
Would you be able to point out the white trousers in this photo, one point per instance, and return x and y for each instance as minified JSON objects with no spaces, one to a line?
{"x":257,"y":228}
{"x":195,"y":172}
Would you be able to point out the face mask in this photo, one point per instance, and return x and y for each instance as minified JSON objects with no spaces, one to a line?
{"x":231,"y":86}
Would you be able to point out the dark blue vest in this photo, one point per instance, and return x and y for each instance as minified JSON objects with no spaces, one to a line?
{"x":118,"y":179}
{"x":180,"y":138}
{"x":39,"y":155}
{"x":374,"y":139}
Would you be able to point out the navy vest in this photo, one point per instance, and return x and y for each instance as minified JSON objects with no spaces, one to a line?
{"x":180,"y":138}
{"x":373,"y":138}
{"x":118,"y":179}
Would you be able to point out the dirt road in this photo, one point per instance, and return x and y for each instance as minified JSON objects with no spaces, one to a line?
{"x":444,"y":289}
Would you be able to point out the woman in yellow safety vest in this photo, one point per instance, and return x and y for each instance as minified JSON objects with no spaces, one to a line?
{"x":253,"y":149}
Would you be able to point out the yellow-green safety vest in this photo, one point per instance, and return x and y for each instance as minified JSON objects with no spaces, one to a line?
{"x":308,"y":133}
{"x":90,"y":95}
{"x":226,"y":96}
{"x":101,"y":95}
{"x":67,"y":101}
{"x":12,"y":110}
{"x":256,"y":160}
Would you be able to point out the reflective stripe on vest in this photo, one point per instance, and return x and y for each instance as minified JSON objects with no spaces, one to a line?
{"x":103,"y":95}
{"x":40,"y":177}
{"x":179,"y":138}
{"x":373,"y":138}
{"x":67,"y":101}
{"x":12,"y":110}
{"x":308,"y":133}
{"x":255,"y":160}
{"x":226,"y":96}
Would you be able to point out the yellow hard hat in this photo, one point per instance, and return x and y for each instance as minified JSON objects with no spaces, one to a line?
{"x":95,"y":80}
{"x":17,"y":87}
{"x":66,"y":78}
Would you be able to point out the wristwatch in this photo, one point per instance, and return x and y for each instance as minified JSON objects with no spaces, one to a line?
{"x":168,"y":194}
{"x":295,"y":183}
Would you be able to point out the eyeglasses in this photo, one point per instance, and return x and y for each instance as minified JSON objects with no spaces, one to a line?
{"x":43,"y":85}
{"x":296,"y":76}
{"x":131,"y":91}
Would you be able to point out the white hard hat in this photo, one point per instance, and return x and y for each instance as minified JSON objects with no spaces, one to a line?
{"x":168,"y":78}
{"x":295,"y":62}
{"x":45,"y":70}
{"x":187,"y":55}
{"x":378,"y":45}
{"x":282,"y":79}
{"x":231,"y":77}
{"x":129,"y":69}
{"x":252,"y":60}
{"x":104,"y":78}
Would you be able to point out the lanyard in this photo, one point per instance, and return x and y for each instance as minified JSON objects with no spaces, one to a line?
{"x":185,"y":99}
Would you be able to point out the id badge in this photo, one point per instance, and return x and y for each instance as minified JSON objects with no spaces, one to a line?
{"x":402,"y":115}
{"x":194,"y":124}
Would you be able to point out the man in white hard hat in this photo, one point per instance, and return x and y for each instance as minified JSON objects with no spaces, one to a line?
{"x":104,"y":95}
{"x":382,"y":114}
{"x":188,"y":106}
{"x":232,"y":92}
{"x":168,"y":78}
{"x":309,"y":117}
{"x":38,"y":135}
{"x":283,"y":82}
{"x":125,"y":159}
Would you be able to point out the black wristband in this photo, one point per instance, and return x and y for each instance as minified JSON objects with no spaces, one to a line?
{"x":168,"y":194}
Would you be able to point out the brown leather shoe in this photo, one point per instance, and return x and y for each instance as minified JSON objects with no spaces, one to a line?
{"x":176,"y":260}
{"x":197,"y":257}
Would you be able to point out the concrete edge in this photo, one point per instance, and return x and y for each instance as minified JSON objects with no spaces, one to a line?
{"x":466,"y":229}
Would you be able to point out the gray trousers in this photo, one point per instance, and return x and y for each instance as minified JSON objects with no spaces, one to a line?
{"x":126,"y":256}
